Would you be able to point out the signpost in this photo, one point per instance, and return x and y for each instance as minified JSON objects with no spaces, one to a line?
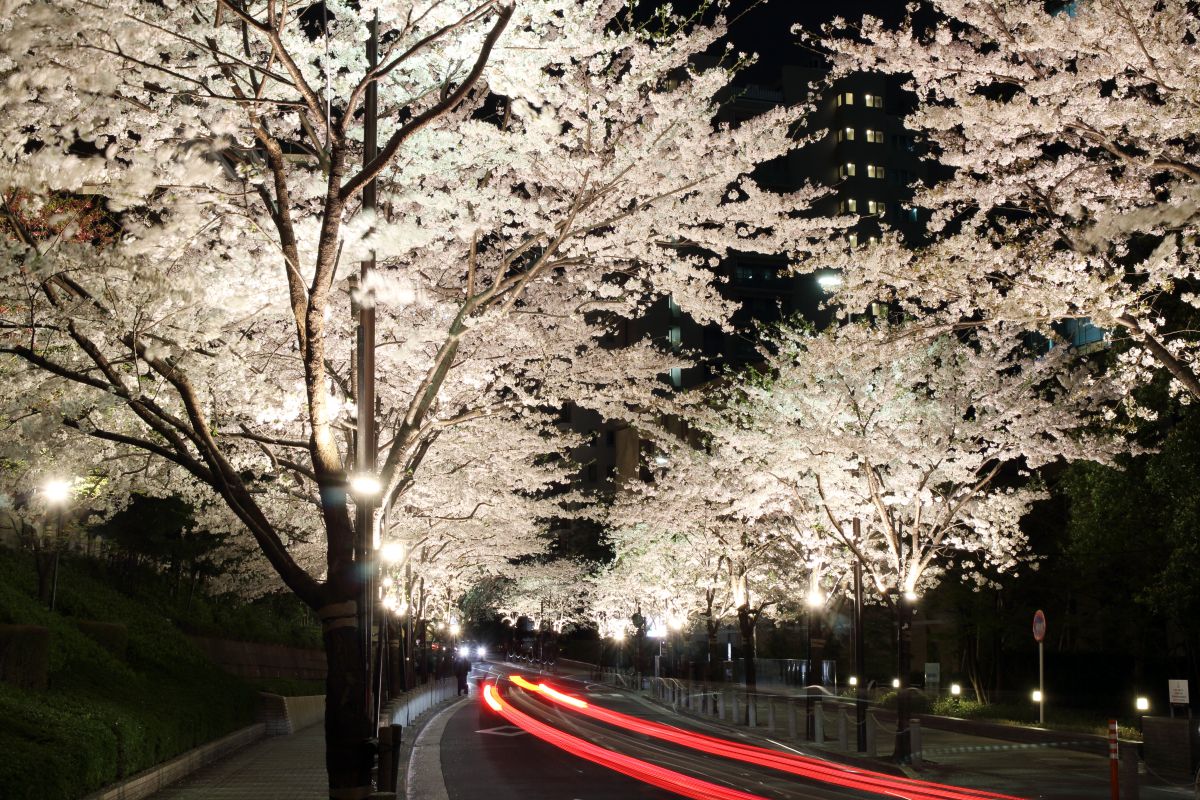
{"x":1039,"y":635}
{"x":1177,"y":695}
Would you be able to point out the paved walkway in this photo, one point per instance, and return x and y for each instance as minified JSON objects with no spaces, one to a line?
{"x":275,"y":768}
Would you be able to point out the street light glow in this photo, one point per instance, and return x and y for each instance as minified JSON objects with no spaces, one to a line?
{"x":854,"y":680}
{"x":829,"y":280}
{"x":363,"y":485}
{"x":815,"y":598}
{"x":455,"y":628}
{"x":392,"y":552}
{"x":1037,"y":695}
{"x":910,"y":596}
{"x":1142,"y":704}
{"x":895,"y":683}
{"x":57,"y":491}
{"x":955,"y":689}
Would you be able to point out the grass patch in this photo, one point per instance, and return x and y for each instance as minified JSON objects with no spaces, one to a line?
{"x":1068,"y":720}
{"x":103,"y":717}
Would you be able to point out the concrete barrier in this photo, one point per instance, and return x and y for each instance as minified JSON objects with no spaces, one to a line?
{"x":285,"y":715}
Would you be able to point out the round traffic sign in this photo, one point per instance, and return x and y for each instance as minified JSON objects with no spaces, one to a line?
{"x":1039,"y":626}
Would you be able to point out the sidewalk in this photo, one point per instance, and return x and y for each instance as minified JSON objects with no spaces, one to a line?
{"x":275,"y":768}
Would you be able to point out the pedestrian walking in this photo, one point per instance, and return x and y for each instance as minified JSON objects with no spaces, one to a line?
{"x":462,"y":668}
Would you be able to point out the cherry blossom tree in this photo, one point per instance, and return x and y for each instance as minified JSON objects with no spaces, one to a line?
{"x":690,"y":545}
{"x":537,"y":175}
{"x":542,"y":170}
{"x":914,"y":456}
{"x":1073,"y":139}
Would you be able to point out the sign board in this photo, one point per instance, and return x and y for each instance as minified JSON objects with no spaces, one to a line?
{"x":1177,"y":691}
{"x":1039,"y":626}
{"x":933,"y":674}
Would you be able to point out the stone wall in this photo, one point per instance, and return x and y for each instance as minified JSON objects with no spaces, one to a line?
{"x":257,"y":660}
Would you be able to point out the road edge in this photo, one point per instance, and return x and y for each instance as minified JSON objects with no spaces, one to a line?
{"x":423,"y":779}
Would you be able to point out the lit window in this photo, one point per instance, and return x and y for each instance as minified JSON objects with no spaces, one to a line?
{"x":874,"y":171}
{"x":676,"y":377}
{"x":849,"y":206}
{"x":853,"y":239}
{"x":914,"y":214}
{"x":845,"y":98}
{"x":847,"y":170}
{"x":846,"y":135}
{"x":873,"y":100}
{"x":673,"y":306}
{"x":876,"y":207}
{"x":675,"y":336}
{"x":872,"y":240}
{"x":874,"y":136}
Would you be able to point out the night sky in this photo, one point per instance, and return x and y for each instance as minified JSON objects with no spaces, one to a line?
{"x":765,"y":27}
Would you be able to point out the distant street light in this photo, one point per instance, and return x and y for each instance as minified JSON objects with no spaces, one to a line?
{"x":1037,"y":695}
{"x":455,"y":628}
{"x":854,"y":680}
{"x":1142,"y":704}
{"x":56,"y":492}
{"x":955,"y":689}
{"x":895,"y":683}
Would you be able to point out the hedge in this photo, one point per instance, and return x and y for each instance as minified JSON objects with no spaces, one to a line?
{"x":103,"y":718}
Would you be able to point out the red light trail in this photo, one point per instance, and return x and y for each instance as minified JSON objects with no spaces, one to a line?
{"x":804,"y":766}
{"x":644,"y":771}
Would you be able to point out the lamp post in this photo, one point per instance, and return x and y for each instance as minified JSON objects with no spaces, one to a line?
{"x":815,"y":601}
{"x":860,"y":656}
{"x":57,"y":493}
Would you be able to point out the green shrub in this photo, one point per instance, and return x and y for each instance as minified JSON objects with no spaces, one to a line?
{"x":112,"y":636}
{"x":958,"y":707}
{"x":103,"y":718}
{"x":24,"y":656}
{"x":918,"y":702}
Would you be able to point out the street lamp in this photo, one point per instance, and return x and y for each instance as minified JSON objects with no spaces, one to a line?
{"x":57,"y":492}
{"x":1142,"y":704}
{"x":392,"y":552}
{"x":955,"y":689}
{"x":365,"y":485}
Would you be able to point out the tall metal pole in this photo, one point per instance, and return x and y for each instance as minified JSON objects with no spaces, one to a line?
{"x":365,"y":394}
{"x":57,"y":552}
{"x":860,"y":656}
{"x":1041,"y":683}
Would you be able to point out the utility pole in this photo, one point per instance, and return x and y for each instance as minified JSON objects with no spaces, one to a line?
{"x":365,"y":395}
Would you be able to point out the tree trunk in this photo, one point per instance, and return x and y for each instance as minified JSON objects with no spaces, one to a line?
{"x":349,"y":748}
{"x":714,"y":654}
{"x":903,"y":751}
{"x":747,"y":620}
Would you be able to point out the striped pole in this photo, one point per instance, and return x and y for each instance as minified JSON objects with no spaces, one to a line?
{"x":1113,"y":760}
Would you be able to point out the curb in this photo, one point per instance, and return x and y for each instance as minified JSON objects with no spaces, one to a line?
{"x":149,"y":781}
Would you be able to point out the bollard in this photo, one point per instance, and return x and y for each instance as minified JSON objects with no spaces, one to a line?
{"x":914,"y":738}
{"x":871,"y":727}
{"x":791,"y":720}
{"x":386,"y":752}
{"x":843,"y":739}
{"x":752,"y":710}
{"x":733,"y":705}
{"x":770,"y":715}
{"x":819,"y":722}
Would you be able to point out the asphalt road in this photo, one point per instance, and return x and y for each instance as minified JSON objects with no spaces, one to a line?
{"x":485,"y":757}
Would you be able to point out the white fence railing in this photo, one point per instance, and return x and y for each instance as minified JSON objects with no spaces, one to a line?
{"x":404,"y":709}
